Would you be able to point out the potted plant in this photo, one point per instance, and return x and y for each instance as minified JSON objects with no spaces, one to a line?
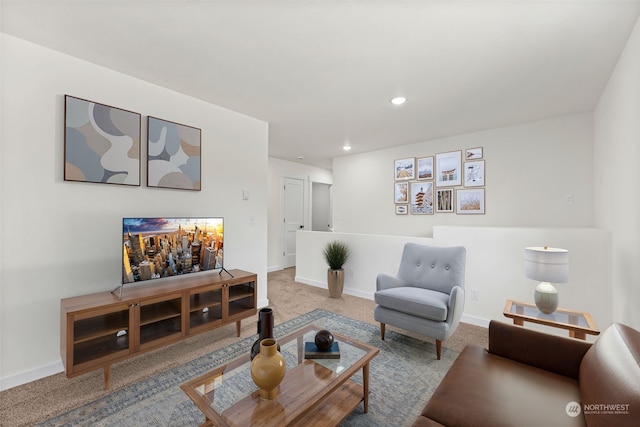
{"x":335,"y":254}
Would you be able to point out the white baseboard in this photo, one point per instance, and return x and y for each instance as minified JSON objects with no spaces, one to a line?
{"x":306,"y":281}
{"x":31,"y":375}
{"x":275,"y":268}
{"x":473,"y":320}
{"x":323,"y":285}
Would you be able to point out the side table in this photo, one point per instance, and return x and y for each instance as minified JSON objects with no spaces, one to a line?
{"x":578,"y":323}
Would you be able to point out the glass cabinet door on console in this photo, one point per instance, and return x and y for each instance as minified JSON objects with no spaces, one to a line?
{"x":96,"y":336}
{"x":205,"y":307}
{"x":241,"y":297}
{"x":160,"y":321}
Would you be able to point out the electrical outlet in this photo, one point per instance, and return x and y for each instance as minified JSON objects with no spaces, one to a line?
{"x":475,"y":295}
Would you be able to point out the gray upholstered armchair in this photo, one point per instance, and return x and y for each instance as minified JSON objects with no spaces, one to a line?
{"x":427,"y":295}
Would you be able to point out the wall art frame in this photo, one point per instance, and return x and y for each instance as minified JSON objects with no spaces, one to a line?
{"x":402,"y":209}
{"x":174,"y":155}
{"x":422,"y":198}
{"x":401,"y":193}
{"x":404,"y":169}
{"x":425,"y":167}
{"x":101,"y":143}
{"x":474,"y":173}
{"x":470,"y":202}
{"x":449,"y":169}
{"x":444,"y":200}
{"x":473,"y":153}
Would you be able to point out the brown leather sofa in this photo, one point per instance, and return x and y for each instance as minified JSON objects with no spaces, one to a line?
{"x":529,"y":378}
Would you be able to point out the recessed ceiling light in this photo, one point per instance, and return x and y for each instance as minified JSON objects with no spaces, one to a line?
{"x":300,"y":158}
{"x":398,"y":100}
{"x":346,"y":147}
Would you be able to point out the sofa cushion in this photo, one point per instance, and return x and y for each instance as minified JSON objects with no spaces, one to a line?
{"x":610,"y":378}
{"x":415,"y":301}
{"x":482,"y":389}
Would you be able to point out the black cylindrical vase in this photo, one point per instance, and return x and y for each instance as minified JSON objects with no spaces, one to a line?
{"x":265,"y":329}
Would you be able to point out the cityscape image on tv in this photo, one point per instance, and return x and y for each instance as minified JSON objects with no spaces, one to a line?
{"x":154,"y":248}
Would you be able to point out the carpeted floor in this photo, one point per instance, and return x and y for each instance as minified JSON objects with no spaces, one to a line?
{"x":40,"y":400}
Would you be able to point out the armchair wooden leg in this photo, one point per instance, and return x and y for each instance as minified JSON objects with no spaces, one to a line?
{"x":438,"y":348}
{"x":382,"y":325}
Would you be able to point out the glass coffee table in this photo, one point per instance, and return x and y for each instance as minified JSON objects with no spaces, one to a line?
{"x":578,"y":323}
{"x":314,"y":392}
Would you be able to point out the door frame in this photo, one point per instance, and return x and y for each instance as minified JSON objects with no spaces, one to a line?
{"x":305,"y":212}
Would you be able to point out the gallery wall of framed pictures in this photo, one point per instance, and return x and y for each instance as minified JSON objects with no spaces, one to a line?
{"x":449,"y":182}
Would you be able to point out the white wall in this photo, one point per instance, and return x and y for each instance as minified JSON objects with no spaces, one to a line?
{"x":369,"y":255}
{"x":530,"y":169}
{"x":494,"y":268}
{"x":279,"y":169}
{"x":62,"y":239}
{"x":617,"y":177}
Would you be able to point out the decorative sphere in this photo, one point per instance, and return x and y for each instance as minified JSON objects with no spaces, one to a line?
{"x":324,"y":340}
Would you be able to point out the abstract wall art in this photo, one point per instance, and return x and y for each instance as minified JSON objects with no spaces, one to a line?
{"x":173,"y":155}
{"x":474,"y":173}
{"x":101,"y":143}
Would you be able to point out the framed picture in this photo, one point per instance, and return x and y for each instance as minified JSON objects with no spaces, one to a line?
{"x":405,"y":169}
{"x":473,"y":153}
{"x":474,"y":173}
{"x":470,"y":201}
{"x":402,"y":209}
{"x":174,"y":155}
{"x":101,"y":143}
{"x":401,"y":192}
{"x":444,"y":200}
{"x":425,"y":167}
{"x":449,"y":169}
{"x":422,"y":198}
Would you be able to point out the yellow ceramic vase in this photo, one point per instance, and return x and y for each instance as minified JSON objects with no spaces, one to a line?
{"x":268,"y":368}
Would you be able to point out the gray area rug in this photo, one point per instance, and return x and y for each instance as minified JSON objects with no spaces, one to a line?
{"x":402,"y":378}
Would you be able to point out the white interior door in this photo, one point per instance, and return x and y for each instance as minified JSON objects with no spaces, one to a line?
{"x":320,"y":207}
{"x":293,"y":208}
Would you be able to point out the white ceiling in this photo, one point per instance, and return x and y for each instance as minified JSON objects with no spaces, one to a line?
{"x":322,"y":72}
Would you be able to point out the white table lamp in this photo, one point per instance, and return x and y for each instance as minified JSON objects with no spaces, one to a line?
{"x":546,"y":265}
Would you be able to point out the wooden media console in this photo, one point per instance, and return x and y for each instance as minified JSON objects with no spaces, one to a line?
{"x":100,"y":329}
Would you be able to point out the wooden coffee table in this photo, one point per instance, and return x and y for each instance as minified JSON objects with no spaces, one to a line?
{"x":578,"y":323}
{"x":318,"y":392}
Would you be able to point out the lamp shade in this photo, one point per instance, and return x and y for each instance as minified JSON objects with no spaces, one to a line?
{"x":546,"y":264}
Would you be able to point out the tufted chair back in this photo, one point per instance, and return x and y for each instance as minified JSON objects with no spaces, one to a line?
{"x":430,"y":267}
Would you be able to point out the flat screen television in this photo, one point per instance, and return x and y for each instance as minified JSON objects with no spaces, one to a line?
{"x":155,"y":248}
